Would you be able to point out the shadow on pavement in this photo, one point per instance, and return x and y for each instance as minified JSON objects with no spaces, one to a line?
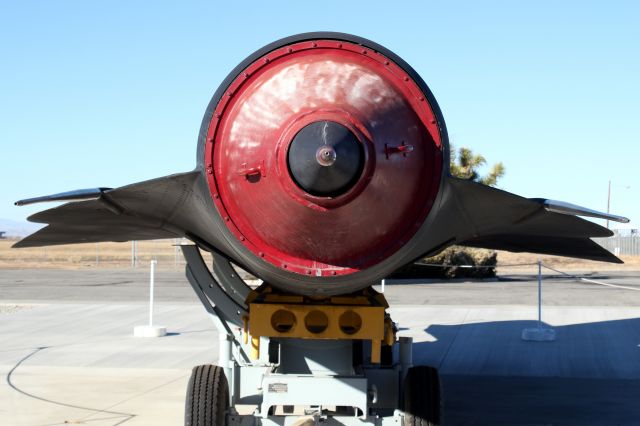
{"x":589,"y":376}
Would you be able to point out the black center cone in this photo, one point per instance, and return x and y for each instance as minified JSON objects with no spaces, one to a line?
{"x":325,"y":159}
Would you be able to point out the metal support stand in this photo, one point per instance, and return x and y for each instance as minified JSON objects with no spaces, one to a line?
{"x":539,"y":333}
{"x":294,"y":379}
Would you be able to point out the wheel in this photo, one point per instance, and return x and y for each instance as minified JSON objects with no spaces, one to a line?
{"x":422,"y":397}
{"x":207,"y":397}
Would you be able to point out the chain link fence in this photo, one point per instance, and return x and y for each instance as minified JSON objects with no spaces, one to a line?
{"x":624,"y":242}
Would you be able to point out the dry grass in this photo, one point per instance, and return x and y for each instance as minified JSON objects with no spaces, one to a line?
{"x":91,"y":255}
{"x":118,"y":256}
{"x":505,"y":259}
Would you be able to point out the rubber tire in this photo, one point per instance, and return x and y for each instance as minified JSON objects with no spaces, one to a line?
{"x":207,"y":397}
{"x":422,"y":397}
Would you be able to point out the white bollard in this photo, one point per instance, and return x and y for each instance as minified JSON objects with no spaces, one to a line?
{"x":150,"y":330}
{"x":152,"y":275}
{"x":539,"y":333}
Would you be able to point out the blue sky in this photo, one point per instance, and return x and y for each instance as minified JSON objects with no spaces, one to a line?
{"x":96,"y":93}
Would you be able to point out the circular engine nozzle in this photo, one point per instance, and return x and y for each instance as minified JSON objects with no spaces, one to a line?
{"x":323,"y":154}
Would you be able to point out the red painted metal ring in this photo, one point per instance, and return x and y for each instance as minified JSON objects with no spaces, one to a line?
{"x":243,"y":227}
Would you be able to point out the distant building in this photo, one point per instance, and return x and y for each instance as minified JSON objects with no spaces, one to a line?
{"x":2,"y":236}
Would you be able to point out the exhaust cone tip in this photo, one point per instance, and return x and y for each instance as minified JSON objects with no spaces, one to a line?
{"x":325,"y":159}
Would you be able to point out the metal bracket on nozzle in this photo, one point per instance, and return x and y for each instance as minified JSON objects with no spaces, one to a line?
{"x":403,"y":149}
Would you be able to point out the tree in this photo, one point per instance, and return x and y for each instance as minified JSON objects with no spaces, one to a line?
{"x":465,"y":165}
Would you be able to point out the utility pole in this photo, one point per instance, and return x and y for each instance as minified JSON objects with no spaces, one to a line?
{"x":608,"y":201}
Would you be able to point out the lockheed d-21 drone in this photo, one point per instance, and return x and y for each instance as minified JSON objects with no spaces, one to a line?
{"x":322,"y":167}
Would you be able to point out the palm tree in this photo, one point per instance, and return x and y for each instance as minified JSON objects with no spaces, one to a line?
{"x":465,"y":164}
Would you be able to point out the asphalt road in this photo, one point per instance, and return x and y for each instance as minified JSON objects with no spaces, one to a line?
{"x":132,"y":285}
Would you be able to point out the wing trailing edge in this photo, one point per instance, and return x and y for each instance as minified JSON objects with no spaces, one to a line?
{"x":486,"y":217}
{"x":141,"y":211}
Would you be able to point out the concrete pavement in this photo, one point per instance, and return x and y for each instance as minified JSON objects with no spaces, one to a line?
{"x":78,"y":363}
